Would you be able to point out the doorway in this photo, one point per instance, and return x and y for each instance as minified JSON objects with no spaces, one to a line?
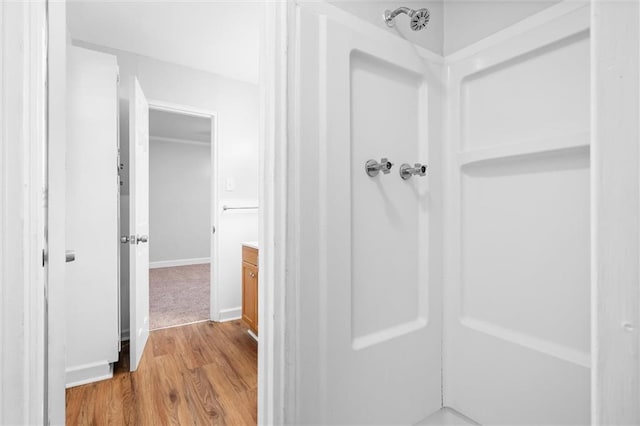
{"x":159,"y":92}
{"x":181,"y":202}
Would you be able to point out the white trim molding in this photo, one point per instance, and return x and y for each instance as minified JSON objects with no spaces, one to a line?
{"x":229,"y":314}
{"x":178,"y":262}
{"x":176,"y":140}
{"x":56,"y":220}
{"x":89,"y":373}
{"x":23,"y":74}
{"x":615,"y":197}
{"x":276,"y":305}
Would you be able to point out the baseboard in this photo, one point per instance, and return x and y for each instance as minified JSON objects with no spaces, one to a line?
{"x":179,"y":262}
{"x":88,"y":373}
{"x":229,"y":314}
{"x":124,"y":335}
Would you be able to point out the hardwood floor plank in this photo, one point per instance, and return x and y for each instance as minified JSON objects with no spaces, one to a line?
{"x":203,"y":373}
{"x":75,"y":397}
{"x":124,"y":392}
{"x":195,"y":350}
{"x":202,"y":398}
{"x":168,"y":395}
{"x":87,"y":414}
{"x":235,"y":354}
{"x":164,"y":343}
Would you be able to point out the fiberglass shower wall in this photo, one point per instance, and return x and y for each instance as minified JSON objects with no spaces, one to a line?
{"x":517,"y":293}
{"x":465,"y":288}
{"x":371,"y":302}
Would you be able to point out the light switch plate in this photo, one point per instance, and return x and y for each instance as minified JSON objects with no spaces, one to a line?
{"x":230,"y":185}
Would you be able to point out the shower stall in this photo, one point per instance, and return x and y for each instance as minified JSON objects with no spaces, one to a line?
{"x":444,"y":197}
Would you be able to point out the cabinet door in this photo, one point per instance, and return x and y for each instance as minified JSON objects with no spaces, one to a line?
{"x":249,"y":295}
{"x":254,"y":284}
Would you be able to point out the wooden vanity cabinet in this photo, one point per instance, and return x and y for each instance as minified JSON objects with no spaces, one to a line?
{"x":250,"y":287}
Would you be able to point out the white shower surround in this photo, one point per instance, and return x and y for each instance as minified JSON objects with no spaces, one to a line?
{"x":353,"y":256}
{"x":517,"y":234}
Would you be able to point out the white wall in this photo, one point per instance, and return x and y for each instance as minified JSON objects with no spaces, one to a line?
{"x":237,"y":106}
{"x":169,"y":27}
{"x":179,"y":201}
{"x":468,"y":21}
{"x":372,"y":11}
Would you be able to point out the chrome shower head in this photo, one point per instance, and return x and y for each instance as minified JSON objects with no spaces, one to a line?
{"x":419,"y":18}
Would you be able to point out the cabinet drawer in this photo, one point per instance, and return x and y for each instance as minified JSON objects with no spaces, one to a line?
{"x":250,"y":255}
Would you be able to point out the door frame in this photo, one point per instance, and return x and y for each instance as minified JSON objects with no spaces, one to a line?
{"x":615,"y":212}
{"x":57,"y":62}
{"x":23,"y":213}
{"x":214,"y":214}
{"x":277,"y":303}
{"x":276,"y":372}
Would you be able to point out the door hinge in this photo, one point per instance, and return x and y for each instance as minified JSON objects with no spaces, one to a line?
{"x":44,"y":257}
{"x":213,"y":229}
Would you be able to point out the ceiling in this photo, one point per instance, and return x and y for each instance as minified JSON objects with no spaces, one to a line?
{"x":220,"y":37}
{"x":182,"y":127}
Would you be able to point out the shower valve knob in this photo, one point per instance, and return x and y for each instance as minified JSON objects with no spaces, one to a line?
{"x":385,"y":166}
{"x":406,"y":171}
{"x":372,"y":167}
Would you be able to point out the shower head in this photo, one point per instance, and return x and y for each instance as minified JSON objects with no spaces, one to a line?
{"x":419,"y":18}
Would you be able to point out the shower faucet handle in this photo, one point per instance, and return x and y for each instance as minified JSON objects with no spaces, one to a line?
{"x":372,"y":167}
{"x":385,"y":166}
{"x":406,"y":171}
{"x":421,"y":169}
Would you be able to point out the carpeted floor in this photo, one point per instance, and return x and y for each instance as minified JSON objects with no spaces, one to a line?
{"x":178,"y":295}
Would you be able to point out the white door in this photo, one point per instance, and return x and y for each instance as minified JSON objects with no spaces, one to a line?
{"x":370,"y":295}
{"x":138,"y":222}
{"x":92,"y":301}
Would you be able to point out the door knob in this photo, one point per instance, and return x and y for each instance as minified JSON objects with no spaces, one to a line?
{"x":142,"y":239}
{"x":69,"y":256}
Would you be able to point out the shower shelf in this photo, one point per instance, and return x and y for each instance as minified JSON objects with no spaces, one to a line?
{"x":536,"y":146}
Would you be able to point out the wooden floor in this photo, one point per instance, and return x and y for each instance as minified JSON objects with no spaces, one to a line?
{"x":204,"y":373}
